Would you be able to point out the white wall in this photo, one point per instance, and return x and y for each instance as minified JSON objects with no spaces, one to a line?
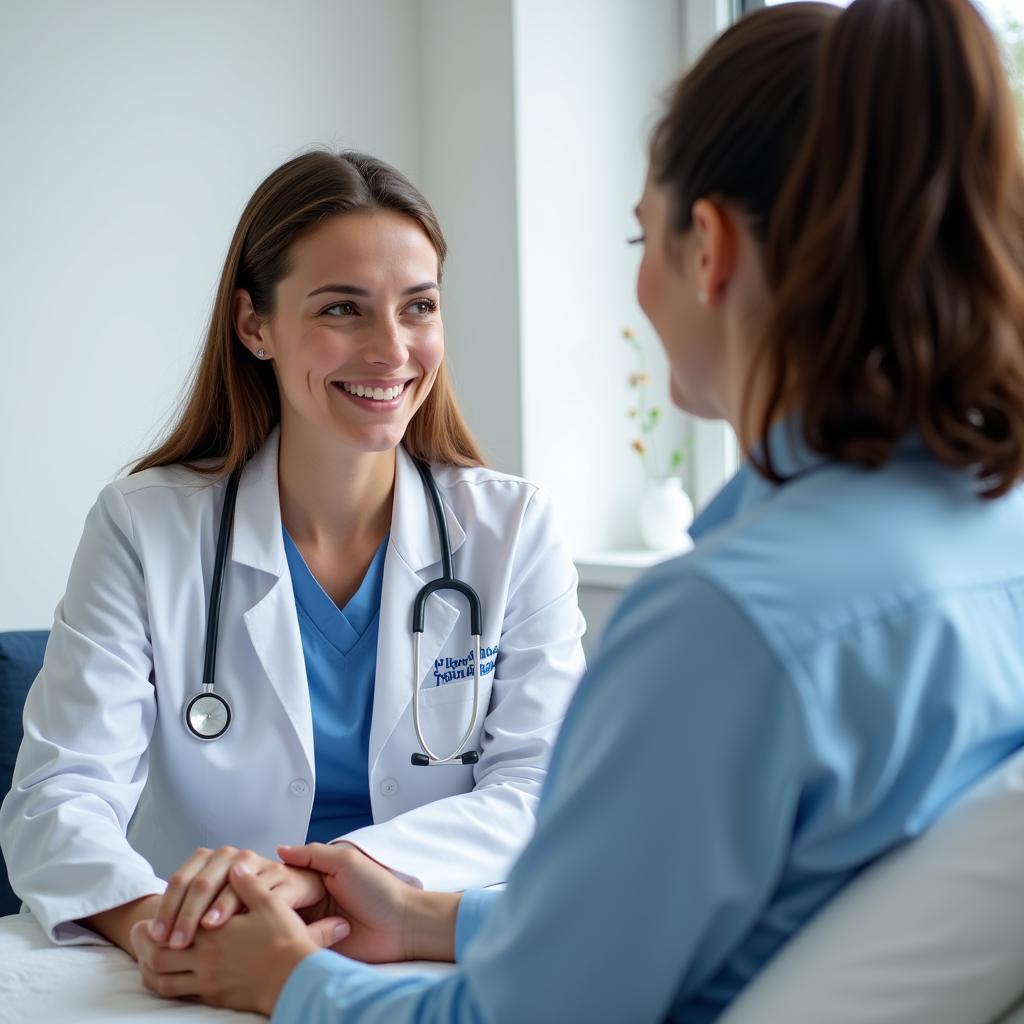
{"x":132,"y":136}
{"x":468,"y":159}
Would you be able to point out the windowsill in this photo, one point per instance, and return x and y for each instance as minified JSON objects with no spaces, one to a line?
{"x":618,"y":569}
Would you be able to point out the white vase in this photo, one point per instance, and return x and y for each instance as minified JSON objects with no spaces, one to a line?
{"x":665,"y":514}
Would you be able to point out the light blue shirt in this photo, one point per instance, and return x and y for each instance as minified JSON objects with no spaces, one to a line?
{"x":834,"y":662}
{"x":340,"y":649}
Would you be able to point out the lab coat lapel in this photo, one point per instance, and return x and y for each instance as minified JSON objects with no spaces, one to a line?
{"x":413,"y":558}
{"x":272,"y":622}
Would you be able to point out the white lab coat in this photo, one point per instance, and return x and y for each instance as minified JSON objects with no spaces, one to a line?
{"x":111,"y":793}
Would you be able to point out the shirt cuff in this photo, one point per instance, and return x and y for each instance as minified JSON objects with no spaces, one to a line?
{"x":474,"y":907}
{"x":308,"y":986}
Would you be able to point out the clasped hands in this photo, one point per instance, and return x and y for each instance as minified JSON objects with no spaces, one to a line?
{"x":232,"y":925}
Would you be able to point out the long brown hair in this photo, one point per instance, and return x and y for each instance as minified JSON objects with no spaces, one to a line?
{"x":232,"y":403}
{"x":883,"y":174}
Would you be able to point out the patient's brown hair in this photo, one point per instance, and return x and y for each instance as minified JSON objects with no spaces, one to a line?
{"x":875,"y":152}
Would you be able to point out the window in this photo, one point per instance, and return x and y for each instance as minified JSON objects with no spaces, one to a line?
{"x":1008,"y":24}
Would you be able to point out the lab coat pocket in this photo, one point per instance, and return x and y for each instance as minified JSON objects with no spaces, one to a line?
{"x":445,"y":714}
{"x":449,"y":693}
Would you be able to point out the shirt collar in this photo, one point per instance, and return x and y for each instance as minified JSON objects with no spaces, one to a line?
{"x":747,"y":488}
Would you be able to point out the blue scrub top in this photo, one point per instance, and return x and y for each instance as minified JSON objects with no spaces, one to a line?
{"x":340,"y":649}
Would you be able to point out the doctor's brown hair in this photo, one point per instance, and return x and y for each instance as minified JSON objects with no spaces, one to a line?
{"x":875,"y":153}
{"x":232,"y":402}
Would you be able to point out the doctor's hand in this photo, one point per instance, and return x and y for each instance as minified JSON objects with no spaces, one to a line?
{"x":243,"y":964}
{"x":199,"y":893}
{"x":388,"y":919}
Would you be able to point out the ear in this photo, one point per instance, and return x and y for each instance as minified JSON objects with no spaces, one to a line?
{"x":249,"y":327}
{"x":716,"y":250}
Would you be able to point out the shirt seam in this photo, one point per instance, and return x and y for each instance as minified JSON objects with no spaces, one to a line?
{"x":515,"y":482}
{"x":777,"y":655}
{"x":131,"y":520}
{"x":902,"y":605}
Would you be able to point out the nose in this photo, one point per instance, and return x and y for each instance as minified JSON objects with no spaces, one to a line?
{"x":386,"y":346}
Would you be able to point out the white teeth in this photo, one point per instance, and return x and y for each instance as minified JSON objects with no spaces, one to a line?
{"x":377,"y":394}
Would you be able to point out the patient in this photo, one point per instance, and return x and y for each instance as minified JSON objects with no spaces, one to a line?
{"x":834,"y":258}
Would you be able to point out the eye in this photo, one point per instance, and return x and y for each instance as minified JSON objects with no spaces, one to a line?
{"x":423,"y":307}
{"x":637,"y":240}
{"x":341,"y":308}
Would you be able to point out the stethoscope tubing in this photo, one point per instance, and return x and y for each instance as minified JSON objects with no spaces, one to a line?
{"x":227,"y":520}
{"x":192,"y":712}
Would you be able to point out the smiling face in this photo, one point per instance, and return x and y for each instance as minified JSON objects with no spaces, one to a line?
{"x":355,"y":336}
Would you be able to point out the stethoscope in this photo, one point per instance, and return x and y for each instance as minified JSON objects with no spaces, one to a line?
{"x":208,"y":714}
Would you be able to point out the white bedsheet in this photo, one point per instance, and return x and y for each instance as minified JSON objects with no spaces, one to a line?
{"x":47,"y":984}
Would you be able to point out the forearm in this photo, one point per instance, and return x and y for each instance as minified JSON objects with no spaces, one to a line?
{"x":115,"y":924}
{"x":430,"y":925}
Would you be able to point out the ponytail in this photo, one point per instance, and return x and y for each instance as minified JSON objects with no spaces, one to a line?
{"x":896,"y":249}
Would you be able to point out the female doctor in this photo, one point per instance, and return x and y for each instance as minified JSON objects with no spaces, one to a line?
{"x":321,"y":449}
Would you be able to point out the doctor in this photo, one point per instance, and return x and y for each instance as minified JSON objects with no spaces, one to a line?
{"x":321,"y":383}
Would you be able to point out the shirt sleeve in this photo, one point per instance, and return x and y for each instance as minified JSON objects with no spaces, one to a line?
{"x":660,"y":837}
{"x":84,"y":758}
{"x":474,"y":908}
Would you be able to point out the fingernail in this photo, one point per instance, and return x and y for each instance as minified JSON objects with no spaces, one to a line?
{"x":212,"y":917}
{"x":158,"y":930}
{"x":178,"y":939}
{"x":340,"y":931}
{"x":241,"y":869}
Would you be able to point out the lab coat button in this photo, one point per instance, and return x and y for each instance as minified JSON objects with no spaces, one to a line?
{"x":300,"y":787}
{"x":389,"y":787}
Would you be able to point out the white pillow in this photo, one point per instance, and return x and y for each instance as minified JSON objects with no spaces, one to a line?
{"x":931,"y":934}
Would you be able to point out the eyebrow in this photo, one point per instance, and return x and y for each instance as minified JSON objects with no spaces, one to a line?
{"x":351,"y":289}
{"x":636,"y":211}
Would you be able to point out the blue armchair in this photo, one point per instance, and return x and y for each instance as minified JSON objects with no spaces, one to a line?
{"x":21,"y":656}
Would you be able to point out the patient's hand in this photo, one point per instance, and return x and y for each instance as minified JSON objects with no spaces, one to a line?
{"x":388,"y":919}
{"x":199,"y":894}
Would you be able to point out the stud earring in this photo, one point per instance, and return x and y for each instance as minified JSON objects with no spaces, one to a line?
{"x":261,"y":353}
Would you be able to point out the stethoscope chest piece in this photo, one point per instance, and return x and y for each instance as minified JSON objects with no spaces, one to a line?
{"x":207,"y":716}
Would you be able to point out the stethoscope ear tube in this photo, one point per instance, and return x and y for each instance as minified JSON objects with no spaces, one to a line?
{"x":459,"y":755}
{"x":446,"y":581}
{"x":419,"y":605}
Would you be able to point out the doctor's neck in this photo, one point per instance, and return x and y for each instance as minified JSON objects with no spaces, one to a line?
{"x":333,"y":497}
